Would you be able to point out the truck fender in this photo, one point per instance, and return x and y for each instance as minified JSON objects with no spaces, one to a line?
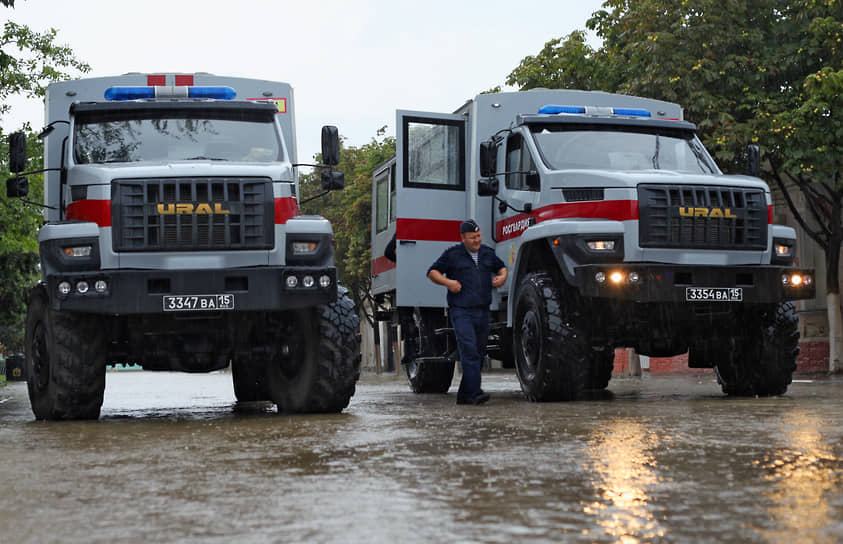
{"x":546,"y":231}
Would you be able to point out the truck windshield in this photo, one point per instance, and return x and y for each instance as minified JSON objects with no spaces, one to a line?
{"x":174,"y":139}
{"x":571,"y":147}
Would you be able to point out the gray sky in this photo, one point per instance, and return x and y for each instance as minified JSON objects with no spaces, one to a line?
{"x":351,"y":64}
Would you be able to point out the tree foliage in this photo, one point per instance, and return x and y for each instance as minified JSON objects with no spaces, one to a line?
{"x":29,"y":61}
{"x":350,"y":211}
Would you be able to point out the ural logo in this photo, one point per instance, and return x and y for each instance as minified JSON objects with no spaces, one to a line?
{"x":187,"y":208}
{"x":724,"y":213}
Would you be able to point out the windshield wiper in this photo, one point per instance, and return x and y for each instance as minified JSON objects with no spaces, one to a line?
{"x":203,"y":158}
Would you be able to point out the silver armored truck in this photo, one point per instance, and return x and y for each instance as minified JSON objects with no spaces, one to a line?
{"x":618,"y":229}
{"x":173,"y":241}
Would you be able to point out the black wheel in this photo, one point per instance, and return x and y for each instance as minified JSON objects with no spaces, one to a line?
{"x":762,"y":359}
{"x":65,"y":362}
{"x":551,"y":348}
{"x":319,"y":365}
{"x":249,"y":377}
{"x":420,"y":343}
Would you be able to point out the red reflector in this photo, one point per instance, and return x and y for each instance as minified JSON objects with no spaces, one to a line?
{"x":184,"y":80}
{"x":157,"y":80}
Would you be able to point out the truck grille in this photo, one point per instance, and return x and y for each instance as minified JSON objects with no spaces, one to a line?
{"x":699,"y":217}
{"x":192,"y":214}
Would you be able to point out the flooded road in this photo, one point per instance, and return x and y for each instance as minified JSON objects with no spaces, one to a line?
{"x":663,"y":458}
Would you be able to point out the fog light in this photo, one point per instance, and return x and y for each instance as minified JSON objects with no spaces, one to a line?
{"x":616,"y":277}
{"x":634,"y":277}
{"x":65,"y":287}
{"x":307,"y":281}
{"x":292,"y":281}
{"x":601,"y":245}
{"x":785,"y":279}
{"x":100,"y":286}
{"x":808,"y":280}
{"x":600,"y":277}
{"x":796,"y":280}
{"x":82,"y":287}
{"x":324,"y":281}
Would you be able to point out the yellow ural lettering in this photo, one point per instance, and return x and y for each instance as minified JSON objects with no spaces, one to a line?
{"x":166,"y":209}
{"x":203,"y":208}
{"x":184,"y":208}
{"x":716,"y":212}
{"x":683,"y":211}
{"x":729,"y":214}
{"x":219,"y":209}
{"x":700,"y":212}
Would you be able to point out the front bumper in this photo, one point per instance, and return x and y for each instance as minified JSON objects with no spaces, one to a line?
{"x":671,"y":283}
{"x":144,"y":291}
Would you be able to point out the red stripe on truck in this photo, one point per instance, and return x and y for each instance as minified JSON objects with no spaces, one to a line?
{"x":286,"y":208}
{"x":430,"y":230}
{"x":381,"y":265}
{"x":156,"y":80}
{"x":613,"y":210}
{"x":184,"y":79}
{"x":95,"y":211}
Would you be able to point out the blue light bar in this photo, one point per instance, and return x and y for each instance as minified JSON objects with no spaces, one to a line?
{"x":633,"y":112}
{"x":129,"y":93}
{"x":551,"y":109}
{"x":137,"y":93}
{"x":220,"y":93}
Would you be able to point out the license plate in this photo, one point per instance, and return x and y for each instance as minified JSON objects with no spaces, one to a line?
{"x":714,"y":294}
{"x":197,"y":303}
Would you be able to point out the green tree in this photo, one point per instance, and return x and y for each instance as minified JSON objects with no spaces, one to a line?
{"x":28,"y":62}
{"x":764,"y":72}
{"x":350,"y":213}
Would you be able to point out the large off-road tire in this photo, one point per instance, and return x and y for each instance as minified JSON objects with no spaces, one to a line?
{"x":319,"y":370}
{"x":249,"y":378}
{"x":65,"y":362}
{"x":421,"y":345}
{"x":762,"y":359}
{"x":551,"y":347}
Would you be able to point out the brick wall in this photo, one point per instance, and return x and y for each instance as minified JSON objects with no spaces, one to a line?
{"x":813,"y":358}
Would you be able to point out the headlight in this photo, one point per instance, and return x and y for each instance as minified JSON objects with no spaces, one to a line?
{"x":302,"y":248}
{"x":77,"y":251}
{"x":601,"y":245}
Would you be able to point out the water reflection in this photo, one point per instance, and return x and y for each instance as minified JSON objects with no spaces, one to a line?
{"x":623,"y":469}
{"x":805,"y":473}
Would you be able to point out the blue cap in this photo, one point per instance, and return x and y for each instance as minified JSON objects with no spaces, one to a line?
{"x":469,"y":226}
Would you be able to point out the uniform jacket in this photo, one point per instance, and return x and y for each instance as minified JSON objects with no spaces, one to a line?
{"x":476,"y":279}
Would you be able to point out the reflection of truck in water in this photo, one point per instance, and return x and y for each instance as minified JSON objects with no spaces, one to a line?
{"x":618,"y":229}
{"x":173,"y":240}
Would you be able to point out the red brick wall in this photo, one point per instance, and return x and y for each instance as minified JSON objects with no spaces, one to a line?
{"x":813,"y":357}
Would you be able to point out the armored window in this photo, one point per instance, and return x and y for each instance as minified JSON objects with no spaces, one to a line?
{"x":382,"y":200}
{"x":518,"y":161}
{"x":434,"y":152}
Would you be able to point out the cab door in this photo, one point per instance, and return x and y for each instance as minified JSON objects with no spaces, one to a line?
{"x":430,"y":201}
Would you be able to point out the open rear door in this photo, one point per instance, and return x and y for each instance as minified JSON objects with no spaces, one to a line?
{"x":430,"y":202}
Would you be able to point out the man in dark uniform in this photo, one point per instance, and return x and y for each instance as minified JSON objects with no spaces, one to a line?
{"x":469,"y":271}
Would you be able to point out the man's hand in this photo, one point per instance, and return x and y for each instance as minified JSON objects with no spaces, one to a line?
{"x":500,"y":279}
{"x":454,"y":286}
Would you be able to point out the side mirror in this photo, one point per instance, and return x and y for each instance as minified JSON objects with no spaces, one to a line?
{"x":332,"y":180}
{"x":487,"y":187}
{"x":532,"y":180}
{"x":17,"y":152}
{"x":753,"y":160}
{"x":17,"y":187}
{"x":330,"y":145}
{"x":488,"y":158}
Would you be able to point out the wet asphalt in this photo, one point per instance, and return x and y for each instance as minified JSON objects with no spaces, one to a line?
{"x":657,"y":459}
